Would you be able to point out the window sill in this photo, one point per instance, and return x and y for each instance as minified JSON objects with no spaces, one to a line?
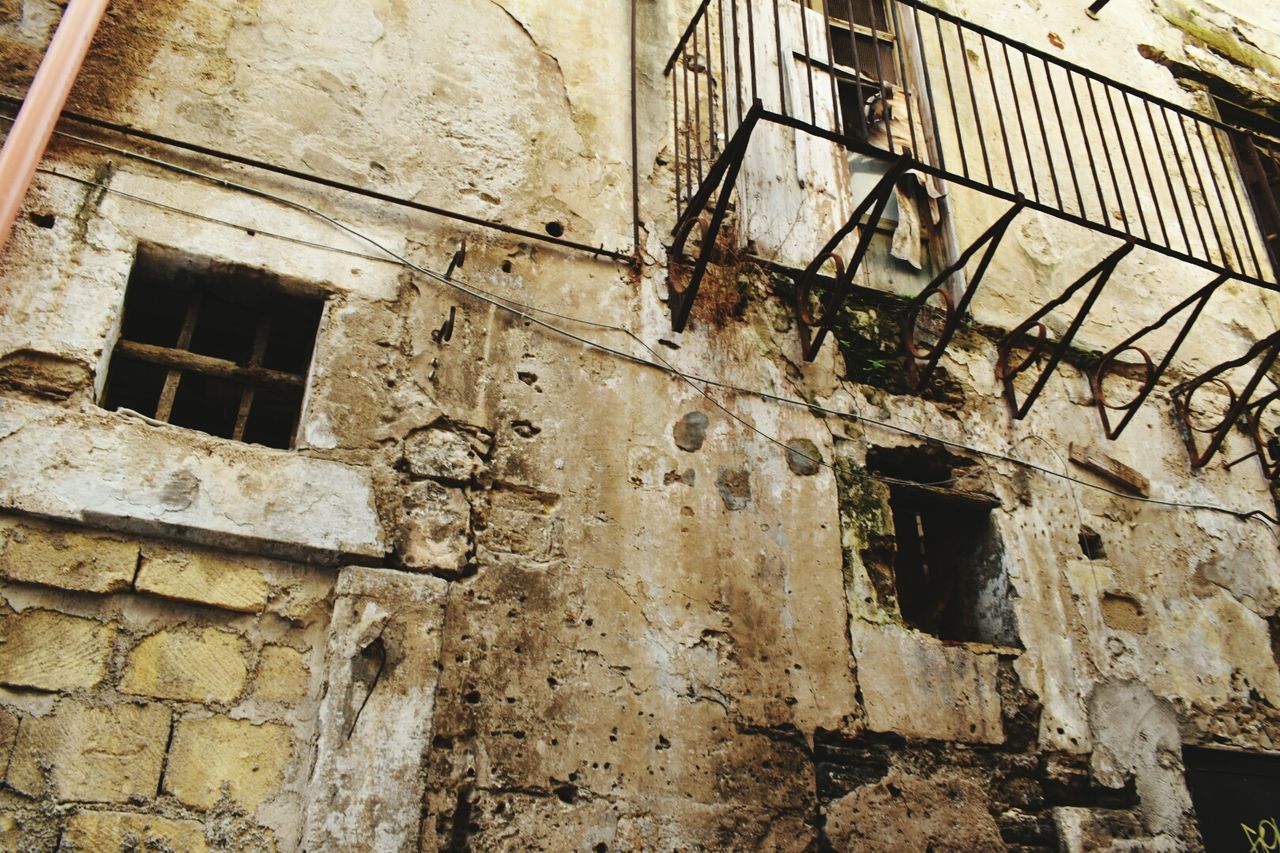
{"x":121,"y":472}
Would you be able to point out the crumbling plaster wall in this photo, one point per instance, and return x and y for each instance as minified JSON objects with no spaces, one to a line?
{"x":598,"y":620}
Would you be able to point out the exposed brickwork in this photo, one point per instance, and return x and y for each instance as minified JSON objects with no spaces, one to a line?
{"x":203,"y":578}
{"x":101,"y":831}
{"x":65,"y":558}
{"x":109,"y":754}
{"x":210,"y":753}
{"x":52,"y":651}
{"x":282,"y":675}
{"x":203,"y":666}
{"x":101,"y":688}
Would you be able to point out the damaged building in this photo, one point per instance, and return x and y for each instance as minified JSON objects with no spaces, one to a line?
{"x":650,"y":425}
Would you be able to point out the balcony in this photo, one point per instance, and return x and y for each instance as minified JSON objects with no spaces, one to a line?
{"x":895,"y":82}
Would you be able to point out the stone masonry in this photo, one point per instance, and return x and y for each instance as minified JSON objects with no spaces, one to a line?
{"x":533,"y":571}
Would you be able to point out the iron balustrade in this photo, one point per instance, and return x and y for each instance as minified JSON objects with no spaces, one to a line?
{"x":1012,"y":121}
{"x":922,"y":89}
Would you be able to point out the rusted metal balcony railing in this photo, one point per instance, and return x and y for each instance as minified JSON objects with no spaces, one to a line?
{"x":1018,"y":122}
{"x":924,"y":90}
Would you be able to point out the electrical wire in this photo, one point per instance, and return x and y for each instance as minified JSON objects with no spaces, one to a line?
{"x":527,"y":311}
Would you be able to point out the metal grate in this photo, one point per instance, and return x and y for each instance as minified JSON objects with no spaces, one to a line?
{"x":224,"y":350}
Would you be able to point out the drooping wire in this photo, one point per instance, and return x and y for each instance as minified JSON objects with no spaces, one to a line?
{"x":526,"y":312}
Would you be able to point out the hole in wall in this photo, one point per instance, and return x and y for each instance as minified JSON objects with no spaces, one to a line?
{"x":1091,"y":544}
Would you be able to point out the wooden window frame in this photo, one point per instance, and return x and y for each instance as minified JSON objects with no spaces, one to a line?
{"x":249,"y":376}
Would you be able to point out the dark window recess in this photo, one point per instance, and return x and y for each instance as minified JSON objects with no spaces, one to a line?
{"x":1091,"y":544}
{"x":1236,"y":797}
{"x":866,"y":64}
{"x":948,"y":574}
{"x":1259,"y":159}
{"x":221,"y":349}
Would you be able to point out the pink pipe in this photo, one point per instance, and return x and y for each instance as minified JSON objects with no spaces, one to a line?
{"x":29,"y":135}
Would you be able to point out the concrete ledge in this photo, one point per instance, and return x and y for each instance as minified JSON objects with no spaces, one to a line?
{"x":916,"y":686}
{"x":123,"y":473}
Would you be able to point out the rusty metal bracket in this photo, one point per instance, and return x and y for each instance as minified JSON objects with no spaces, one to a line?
{"x":458,"y":260}
{"x":1006,"y":373}
{"x":813,"y":331}
{"x":922,"y":360}
{"x":1151,"y":372}
{"x":444,"y":334}
{"x":724,"y":174}
{"x":1268,"y":348}
{"x":1267,"y":449}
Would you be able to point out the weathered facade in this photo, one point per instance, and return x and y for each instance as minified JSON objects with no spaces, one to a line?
{"x":527,"y":569}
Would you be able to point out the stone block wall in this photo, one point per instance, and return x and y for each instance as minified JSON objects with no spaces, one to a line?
{"x":153,"y":695}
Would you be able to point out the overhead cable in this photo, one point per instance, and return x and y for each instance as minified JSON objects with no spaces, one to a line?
{"x":527,"y":312}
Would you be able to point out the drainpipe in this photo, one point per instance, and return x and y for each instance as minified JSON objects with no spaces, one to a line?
{"x":30,"y":132}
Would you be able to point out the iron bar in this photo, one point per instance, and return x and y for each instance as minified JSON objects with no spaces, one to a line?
{"x":1055,"y":60}
{"x":1146,"y":169}
{"x":919,"y":376}
{"x":702,"y":196}
{"x":681,"y":301}
{"x":1044,"y":134}
{"x":908,"y":91}
{"x":635,"y":145}
{"x":1102,"y":369}
{"x":777,"y":41}
{"x":1062,"y":132}
{"x":1228,"y":167}
{"x":997,"y":192}
{"x":1022,"y":128}
{"x":708,"y":67}
{"x":882,"y":86}
{"x":1088,"y":147}
{"x":995,"y":99}
{"x":808,"y":60}
{"x":1168,"y":178}
{"x":1124,"y":157}
{"x":928,"y":91}
{"x":1185,"y":182}
{"x":951,"y":99}
{"x":1268,"y":348}
{"x":725,"y":101}
{"x":1267,"y":450}
{"x":872,"y":207}
{"x":857,"y":75}
{"x":675,"y":128}
{"x":737,"y":63}
{"x":688,"y":154}
{"x":1099,"y":275}
{"x":688,"y":31}
{"x":836,"y":109}
{"x":973,"y":102}
{"x":1106,"y":151}
{"x":1226,"y":212}
{"x":697,"y":109}
{"x":1204,"y":193}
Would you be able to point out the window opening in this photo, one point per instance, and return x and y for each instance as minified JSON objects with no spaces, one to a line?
{"x":948,"y":573}
{"x":1258,"y":155}
{"x":213,"y":347}
{"x":1234,"y":795}
{"x":865,"y":68}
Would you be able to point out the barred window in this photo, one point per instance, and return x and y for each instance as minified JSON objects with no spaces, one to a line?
{"x":213,"y":347}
